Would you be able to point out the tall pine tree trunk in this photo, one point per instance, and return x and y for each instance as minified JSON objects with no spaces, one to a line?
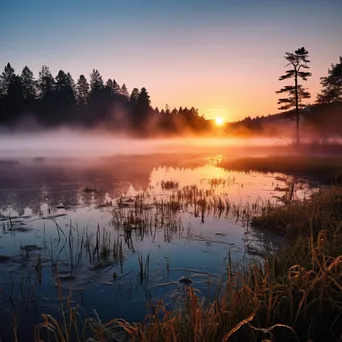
{"x":297,"y":108}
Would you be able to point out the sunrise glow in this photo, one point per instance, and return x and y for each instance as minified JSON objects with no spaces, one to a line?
{"x":218,"y":121}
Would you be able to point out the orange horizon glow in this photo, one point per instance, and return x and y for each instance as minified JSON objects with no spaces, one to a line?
{"x":236,"y":75}
{"x":219,"y":121}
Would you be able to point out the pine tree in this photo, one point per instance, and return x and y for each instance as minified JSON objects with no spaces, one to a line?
{"x":331,"y":85}
{"x":73,"y":87}
{"x":82,"y":90}
{"x":124,"y":91}
{"x":5,"y":79}
{"x":64,"y":92}
{"x":15,"y":97}
{"x":134,"y":97}
{"x":96,"y":82}
{"x":46,"y":83}
{"x":116,"y":88}
{"x":12,"y":94}
{"x":29,"y":86}
{"x":109,"y":87}
{"x":144,"y":100}
{"x":174,"y":112}
{"x":46,"y":95}
{"x":143,"y":106}
{"x":297,"y":60}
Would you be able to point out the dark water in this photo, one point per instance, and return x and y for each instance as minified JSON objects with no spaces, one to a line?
{"x":90,"y":220}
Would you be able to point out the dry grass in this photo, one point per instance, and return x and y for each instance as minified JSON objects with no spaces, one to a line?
{"x":295,"y":294}
{"x":325,"y":169}
{"x":303,"y":303}
{"x":323,"y":211}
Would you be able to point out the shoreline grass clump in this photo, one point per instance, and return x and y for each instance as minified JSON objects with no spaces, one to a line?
{"x":322,"y":168}
{"x":323,"y":210}
{"x":302,"y":305}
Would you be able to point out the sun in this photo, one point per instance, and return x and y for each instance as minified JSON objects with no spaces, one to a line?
{"x":218,"y":121}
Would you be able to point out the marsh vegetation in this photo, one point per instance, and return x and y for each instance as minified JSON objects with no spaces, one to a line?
{"x":197,"y":249}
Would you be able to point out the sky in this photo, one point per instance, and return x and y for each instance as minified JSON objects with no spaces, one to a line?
{"x":223,"y":57}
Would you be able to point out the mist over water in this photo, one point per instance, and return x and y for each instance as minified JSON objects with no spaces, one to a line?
{"x":146,"y":200}
{"x":73,"y":143}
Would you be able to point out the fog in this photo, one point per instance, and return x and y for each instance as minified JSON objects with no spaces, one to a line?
{"x":76,"y":143}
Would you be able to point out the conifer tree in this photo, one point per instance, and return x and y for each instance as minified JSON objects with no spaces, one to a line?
{"x":297,"y":61}
{"x":331,"y":85}
{"x":82,"y":90}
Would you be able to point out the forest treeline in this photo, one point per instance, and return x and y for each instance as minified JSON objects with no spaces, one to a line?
{"x":318,"y":122}
{"x":53,"y":101}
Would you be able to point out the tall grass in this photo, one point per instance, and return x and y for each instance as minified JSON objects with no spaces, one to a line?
{"x":303,"y":304}
{"x":323,"y":210}
{"x":295,"y":294}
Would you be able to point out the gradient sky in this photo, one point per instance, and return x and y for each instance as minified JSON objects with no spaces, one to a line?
{"x":221,"y":56}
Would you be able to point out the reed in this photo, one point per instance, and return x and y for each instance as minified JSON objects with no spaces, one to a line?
{"x":144,"y":268}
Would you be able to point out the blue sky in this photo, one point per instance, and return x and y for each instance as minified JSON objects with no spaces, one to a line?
{"x":222,"y":56}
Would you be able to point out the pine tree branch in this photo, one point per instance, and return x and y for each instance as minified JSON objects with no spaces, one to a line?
{"x":284,"y":77}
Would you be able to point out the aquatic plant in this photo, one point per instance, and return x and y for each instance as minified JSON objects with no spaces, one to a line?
{"x":169,"y":185}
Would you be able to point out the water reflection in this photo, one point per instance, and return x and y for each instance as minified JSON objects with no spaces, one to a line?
{"x":123,"y":230}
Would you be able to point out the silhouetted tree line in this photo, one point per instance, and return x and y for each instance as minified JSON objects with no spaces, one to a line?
{"x":55,"y":101}
{"x":59,"y":100}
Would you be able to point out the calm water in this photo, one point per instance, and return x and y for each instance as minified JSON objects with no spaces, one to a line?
{"x":94,"y":219}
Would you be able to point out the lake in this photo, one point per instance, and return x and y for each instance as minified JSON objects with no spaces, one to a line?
{"x":114,"y":233}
